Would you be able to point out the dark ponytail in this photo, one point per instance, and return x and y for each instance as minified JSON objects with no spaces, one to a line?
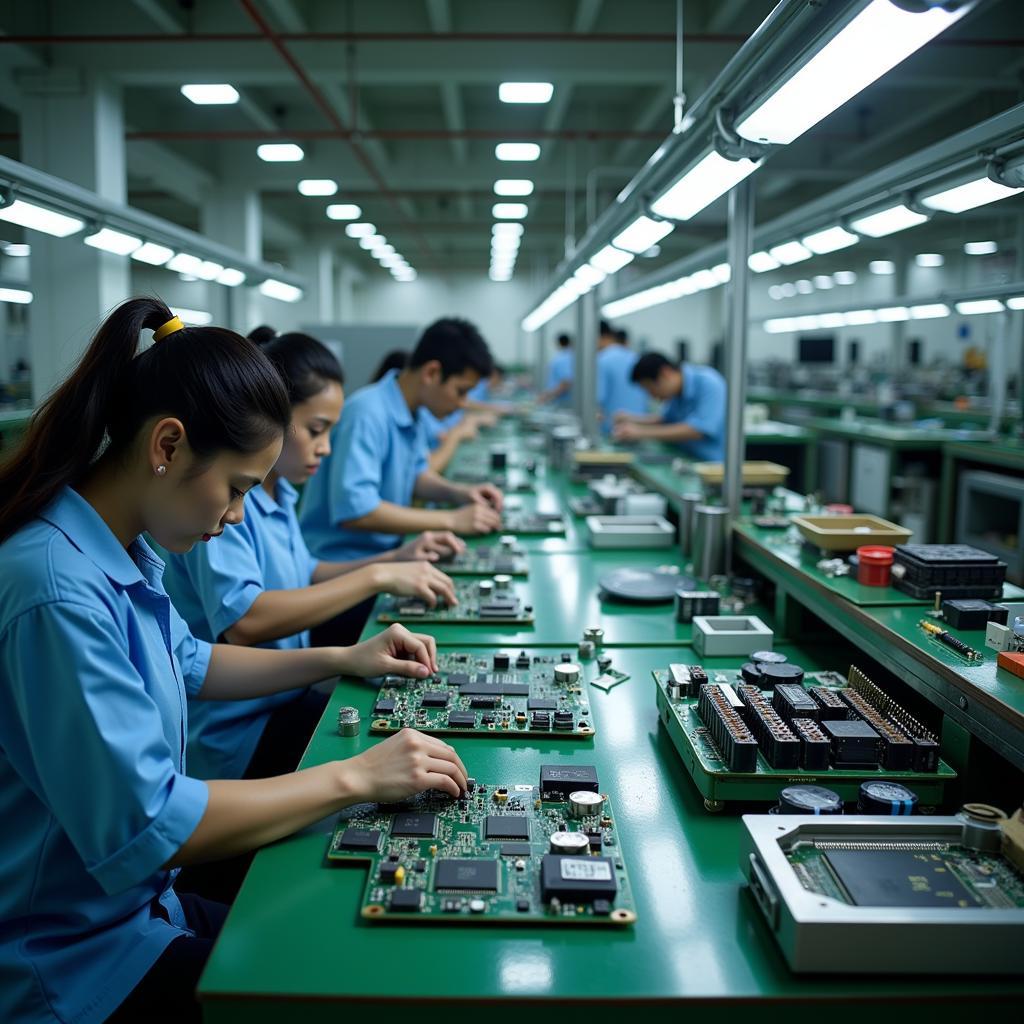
{"x":306,"y":365}
{"x":222,"y":388}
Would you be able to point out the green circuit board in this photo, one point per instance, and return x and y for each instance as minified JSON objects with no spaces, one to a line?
{"x":486,"y":561}
{"x":502,"y":606}
{"x":708,"y":763}
{"x":533,"y":524}
{"x":487,"y":858}
{"x":512,"y":481}
{"x":483,"y":694}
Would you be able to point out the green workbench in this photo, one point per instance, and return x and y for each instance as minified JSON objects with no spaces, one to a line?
{"x":294,"y":947}
{"x":1004,"y":453}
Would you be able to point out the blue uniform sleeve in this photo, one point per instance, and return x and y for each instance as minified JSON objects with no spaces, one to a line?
{"x":422,"y":452}
{"x":192,"y":653}
{"x":708,"y":412}
{"x":603,"y":383}
{"x":356,"y":467}
{"x":88,"y":739}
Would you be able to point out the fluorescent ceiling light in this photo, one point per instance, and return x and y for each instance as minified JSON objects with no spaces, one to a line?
{"x":875,"y":41}
{"x":929,"y":259}
{"x":113,"y":241}
{"x":525,"y":92}
{"x":790,"y":252}
{"x":980,"y":248}
{"x":804,"y":287}
{"x":371,"y":241}
{"x":183,"y":263}
{"x":17,"y":295}
{"x":387,"y":249}
{"x":775,"y":292}
{"x":831,"y":320}
{"x":703,"y":279}
{"x":499,"y":275}
{"x":404,"y":274}
{"x":844,"y":277}
{"x":1016,"y":302}
{"x":210,"y":270}
{"x":38,"y":218}
{"x":707,"y":180}
{"x":810,"y":322}
{"x":823,"y":282}
{"x":198,"y":317}
{"x":279,"y":152}
{"x":883,"y":267}
{"x":892,"y":314}
{"x":318,"y":187}
{"x":389,"y":261}
{"x":788,"y":289}
{"x":152,"y":253}
{"x":17,"y":249}
{"x":506,"y":228}
{"x":860,"y":317}
{"x":642,"y":234}
{"x":509,"y":211}
{"x":760,"y":262}
{"x":517,"y":151}
{"x":207,"y":95}
{"x":280,"y":290}
{"x":780,"y":325}
{"x":513,"y":187}
{"x":980,"y":306}
{"x":969,"y":195}
{"x":609,"y":260}
{"x":830,"y":240}
{"x":231,"y":277}
{"x":505,"y":244}
{"x":929,"y":311}
{"x":590,"y":276}
{"x":887,"y":222}
{"x":344,"y":211}
{"x":721,"y":272}
{"x":360,"y":230}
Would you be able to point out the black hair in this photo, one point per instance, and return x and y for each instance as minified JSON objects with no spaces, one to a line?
{"x":622,"y":335}
{"x":223,"y":389}
{"x":564,"y":341}
{"x":306,"y":365}
{"x":456,"y":344}
{"x":262,"y":334}
{"x":394,"y":360}
{"x":606,"y":330}
{"x":648,"y":367}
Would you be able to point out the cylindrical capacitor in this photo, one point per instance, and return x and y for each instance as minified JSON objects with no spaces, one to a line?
{"x":604,"y":662}
{"x":569,"y":842}
{"x":502,"y":582}
{"x":808,"y":800}
{"x":507,"y":541}
{"x":595,"y":634}
{"x":768,"y":658}
{"x":687,"y":503}
{"x":685,"y":604}
{"x":885,"y":798}
{"x":772,"y":675}
{"x":485,"y":588}
{"x":982,"y":827}
{"x":348,"y":721}
{"x":751,"y":673}
{"x":586,"y":649}
{"x":567,"y":673}
{"x":709,"y":537}
{"x":584,"y":804}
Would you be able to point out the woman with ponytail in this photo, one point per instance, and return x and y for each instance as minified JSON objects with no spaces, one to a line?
{"x":96,"y":667}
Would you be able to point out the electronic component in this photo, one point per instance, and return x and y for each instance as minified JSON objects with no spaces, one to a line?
{"x":791,"y":701}
{"x":896,"y":751}
{"x":384,"y":706}
{"x":946,"y":638}
{"x":525,"y":524}
{"x":583,"y":803}
{"x":418,"y":826}
{"x":685,"y":680}
{"x":405,"y":900}
{"x":567,"y":674}
{"x":814,"y":745}
{"x":577,"y":878}
{"x":957,"y":570}
{"x":486,"y":561}
{"x":774,"y":674}
{"x":854,"y":744}
{"x":466,"y":875}
{"x":830,"y":704}
{"x":778,"y":744}
{"x":570,"y":843}
{"x":689,"y":602}
{"x":348,"y":721}
{"x":808,"y":800}
{"x":973,"y":614}
{"x":462,"y":720}
{"x":728,"y":730}
{"x":729,"y":635}
{"x":477,"y":603}
{"x":882,"y":797}
{"x":998,"y":636}
{"x":359,"y":839}
{"x":557,"y":781}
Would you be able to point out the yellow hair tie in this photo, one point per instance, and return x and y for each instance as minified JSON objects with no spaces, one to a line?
{"x":172,"y":325}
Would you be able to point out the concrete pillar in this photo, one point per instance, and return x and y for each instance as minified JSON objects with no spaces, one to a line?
{"x":232,"y":215}
{"x":72,"y":125}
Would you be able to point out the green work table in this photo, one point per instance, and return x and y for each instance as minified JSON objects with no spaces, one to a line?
{"x":1004,"y":453}
{"x":294,"y":947}
{"x":890,"y":435}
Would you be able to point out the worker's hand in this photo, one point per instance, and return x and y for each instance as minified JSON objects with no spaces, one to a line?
{"x":416,"y":579}
{"x":622,"y":416}
{"x":403,"y":765}
{"x":485,"y":419}
{"x":466,"y":429}
{"x":487,"y":494}
{"x":475,"y":519}
{"x":431,"y":545}
{"x":627,"y":431}
{"x":395,"y":652}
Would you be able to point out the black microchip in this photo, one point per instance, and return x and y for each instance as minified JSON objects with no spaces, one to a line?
{"x":409,"y":900}
{"x":414,"y":826}
{"x":462,"y":719}
{"x":483,"y":687}
{"x":484,"y":702}
{"x":558,"y":780}
{"x":577,"y":878}
{"x":434,"y":699}
{"x":602,"y":908}
{"x":523,"y":661}
{"x":541,"y":704}
{"x":501,"y":662}
{"x":384,"y":707}
{"x":471,"y":875}
{"x":388,"y":872}
{"x":522,"y":906}
{"x":540,"y":720}
{"x":458,"y":678}
{"x":515,"y":849}
{"x":420,"y":866}
{"x":359,"y":839}
{"x":896,"y":878}
{"x":563,"y":720}
{"x":505,"y":565}
{"x":506,"y":826}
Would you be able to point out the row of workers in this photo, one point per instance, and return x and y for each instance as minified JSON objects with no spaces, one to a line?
{"x":692,"y":413}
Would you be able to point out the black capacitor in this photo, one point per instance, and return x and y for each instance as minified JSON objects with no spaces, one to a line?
{"x":773,"y":674}
{"x":501,"y":662}
{"x":768,"y":658}
{"x":808,"y":800}
{"x":751,"y":673}
{"x":889,"y":798}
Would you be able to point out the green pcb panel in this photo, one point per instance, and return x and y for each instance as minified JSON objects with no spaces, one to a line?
{"x":741,"y":741}
{"x":503,"y":559}
{"x":509,"y":853}
{"x":533,"y":524}
{"x":501,"y":603}
{"x":485,"y":694}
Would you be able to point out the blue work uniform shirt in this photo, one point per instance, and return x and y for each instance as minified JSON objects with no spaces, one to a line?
{"x":96,"y":665}
{"x":378,"y":449}
{"x":433,"y":427}
{"x":560,"y":369}
{"x":701,"y":404}
{"x":212,"y":587}
{"x":615,"y":390}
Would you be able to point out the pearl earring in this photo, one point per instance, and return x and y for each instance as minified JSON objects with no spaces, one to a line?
{"x":160,"y":470}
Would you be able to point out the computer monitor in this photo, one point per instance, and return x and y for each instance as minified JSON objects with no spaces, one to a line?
{"x":816,"y":348}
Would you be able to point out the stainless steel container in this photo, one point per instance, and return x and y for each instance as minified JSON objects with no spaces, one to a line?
{"x":687,"y":503}
{"x":709,"y":526}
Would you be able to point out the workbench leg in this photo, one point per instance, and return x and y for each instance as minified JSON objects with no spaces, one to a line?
{"x":946,"y":498}
{"x":788,"y":613}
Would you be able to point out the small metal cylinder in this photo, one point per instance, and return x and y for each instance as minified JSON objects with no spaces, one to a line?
{"x":567,"y":674}
{"x":709,"y":526}
{"x":502,"y":582}
{"x":507,"y":541}
{"x":687,"y":503}
{"x":595,"y":634}
{"x":982,"y":829}
{"x":584,"y":804}
{"x":569,"y":842}
{"x":586,"y":649}
{"x":485,"y":588}
{"x":348,"y":721}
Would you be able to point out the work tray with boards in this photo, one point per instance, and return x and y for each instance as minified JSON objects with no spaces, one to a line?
{"x":479,"y":602}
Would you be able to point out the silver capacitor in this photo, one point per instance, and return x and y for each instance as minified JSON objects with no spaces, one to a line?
{"x":502,"y":582}
{"x":348,"y":721}
{"x":584,"y":804}
{"x":594,"y":634}
{"x":569,"y":842}
{"x":567,"y":673}
{"x":586,"y":649}
{"x":982,"y":829}
{"x":485,"y":588}
{"x":507,"y":541}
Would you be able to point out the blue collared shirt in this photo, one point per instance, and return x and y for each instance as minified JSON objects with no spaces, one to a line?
{"x":560,"y":369}
{"x":377,"y":452}
{"x":213,"y":586}
{"x":701,"y":404}
{"x":615,"y":391}
{"x":433,"y":428}
{"x":95,"y":665}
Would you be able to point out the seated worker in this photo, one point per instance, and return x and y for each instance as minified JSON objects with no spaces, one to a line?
{"x":359,"y":505}
{"x":558,"y":386}
{"x":394,"y":360}
{"x":693,"y":415}
{"x":616,"y":391}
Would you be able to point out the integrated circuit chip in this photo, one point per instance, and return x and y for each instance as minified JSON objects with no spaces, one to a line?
{"x":434,"y":699}
{"x":410,"y":900}
{"x":409,"y":824}
{"x":560,"y":780}
{"x":577,"y":878}
{"x":384,"y":707}
{"x":462,"y":719}
{"x":359,"y":839}
{"x":466,"y":875}
{"x":506,"y":826}
{"x":897,"y":878}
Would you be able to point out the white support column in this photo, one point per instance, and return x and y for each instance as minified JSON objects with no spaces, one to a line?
{"x":72,"y":125}
{"x":232,"y":215}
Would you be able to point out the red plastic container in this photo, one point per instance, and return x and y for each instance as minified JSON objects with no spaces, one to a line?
{"x":874,"y":565}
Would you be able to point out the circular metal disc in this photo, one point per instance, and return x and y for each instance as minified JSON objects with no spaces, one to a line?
{"x":644,"y":585}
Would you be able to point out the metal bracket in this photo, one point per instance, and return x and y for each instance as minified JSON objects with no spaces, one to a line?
{"x":732,"y":146}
